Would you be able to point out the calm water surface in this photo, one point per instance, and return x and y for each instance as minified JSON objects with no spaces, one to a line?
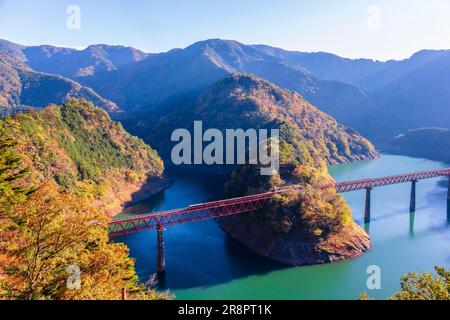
{"x":203,"y":263}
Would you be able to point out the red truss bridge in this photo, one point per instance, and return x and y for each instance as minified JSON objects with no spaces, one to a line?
{"x":223,"y":208}
{"x":229,"y":207}
{"x":381,"y":182}
{"x":193,"y":213}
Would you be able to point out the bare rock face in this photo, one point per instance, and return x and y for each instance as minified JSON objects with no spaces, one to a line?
{"x":295,"y":248}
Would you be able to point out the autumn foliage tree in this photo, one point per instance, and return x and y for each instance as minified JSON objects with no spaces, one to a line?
{"x":47,"y":232}
{"x":425,"y":286}
{"x":422,"y":286}
{"x":51,"y":232}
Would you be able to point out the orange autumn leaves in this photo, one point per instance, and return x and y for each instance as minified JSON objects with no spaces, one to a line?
{"x":47,"y":230}
{"x":53,"y":231}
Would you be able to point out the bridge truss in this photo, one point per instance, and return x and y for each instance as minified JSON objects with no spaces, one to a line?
{"x":228,"y":207}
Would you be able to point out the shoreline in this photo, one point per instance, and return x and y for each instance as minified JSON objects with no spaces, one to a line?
{"x":145,"y":190}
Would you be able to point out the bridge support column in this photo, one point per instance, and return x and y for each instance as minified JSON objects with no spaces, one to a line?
{"x":161,"y":259}
{"x":367,"y":211}
{"x":412,"y":204}
{"x":448,"y":201}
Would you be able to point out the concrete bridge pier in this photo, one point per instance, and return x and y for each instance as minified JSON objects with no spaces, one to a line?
{"x":367,"y":211}
{"x":448,"y":201}
{"x":412,"y":204}
{"x":161,"y":259}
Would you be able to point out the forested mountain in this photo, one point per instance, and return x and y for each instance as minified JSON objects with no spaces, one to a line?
{"x":302,"y":227}
{"x":78,"y":147}
{"x":430,"y":143}
{"x":21,"y":85}
{"x":168,"y":84}
{"x":243,"y":101}
{"x":161,"y":79}
{"x":184,"y":71}
{"x":174,"y":77}
{"x":305,"y":226}
{"x":63,"y":170}
{"x":378,"y":99}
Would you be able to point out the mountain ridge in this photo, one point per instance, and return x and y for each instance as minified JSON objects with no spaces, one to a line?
{"x":74,"y":63}
{"x":359,"y":93}
{"x":166,"y":78}
{"x":244,"y":101}
{"x":21,"y":85}
{"x":78,"y":148}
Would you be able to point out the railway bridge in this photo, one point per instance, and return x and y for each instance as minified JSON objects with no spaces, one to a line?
{"x":229,"y":207}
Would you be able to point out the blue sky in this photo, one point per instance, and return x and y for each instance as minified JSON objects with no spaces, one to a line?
{"x":379,"y":29}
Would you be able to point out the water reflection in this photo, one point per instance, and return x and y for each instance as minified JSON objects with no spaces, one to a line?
{"x":367,"y":228}
{"x":152,"y":204}
{"x":412,"y":216}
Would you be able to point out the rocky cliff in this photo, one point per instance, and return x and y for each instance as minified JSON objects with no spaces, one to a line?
{"x":297,"y":248}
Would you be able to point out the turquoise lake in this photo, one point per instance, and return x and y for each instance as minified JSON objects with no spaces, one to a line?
{"x":203,"y":263}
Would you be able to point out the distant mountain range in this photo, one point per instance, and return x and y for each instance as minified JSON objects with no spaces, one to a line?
{"x":74,"y":63}
{"x":326,"y":65}
{"x":407,"y":94}
{"x":172,"y":78}
{"x":418,"y":96}
{"x":21,"y":85}
{"x":378,"y":99}
{"x":138,"y":81}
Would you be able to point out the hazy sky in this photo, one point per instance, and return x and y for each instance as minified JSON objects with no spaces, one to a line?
{"x":380,"y":29}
